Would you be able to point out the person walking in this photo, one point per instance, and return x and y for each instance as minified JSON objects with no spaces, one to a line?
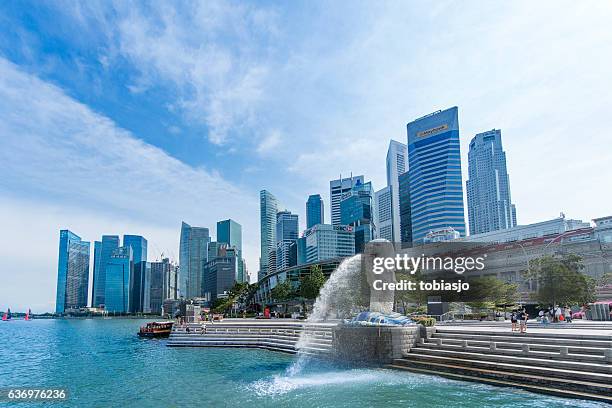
{"x":513,"y":319}
{"x":568,"y":314}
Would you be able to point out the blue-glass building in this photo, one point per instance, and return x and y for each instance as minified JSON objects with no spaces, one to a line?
{"x":488,"y":186}
{"x":230,"y":232}
{"x":72,"y":272}
{"x":102,"y":253}
{"x":434,"y":172}
{"x":138,"y":281}
{"x":314,"y":211}
{"x":287,"y":227}
{"x":404,"y":208}
{"x":193,"y":254}
{"x":357,"y":211}
{"x":119,"y":272}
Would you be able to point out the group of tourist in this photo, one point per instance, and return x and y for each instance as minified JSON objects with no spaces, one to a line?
{"x":519,"y":320}
{"x":555,"y":314}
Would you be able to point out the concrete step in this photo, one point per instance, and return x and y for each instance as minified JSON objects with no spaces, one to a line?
{"x":564,"y":335}
{"x":517,"y":344}
{"x":556,"y":386}
{"x":517,"y":351}
{"x":602,"y":367}
{"x":555,"y":341}
{"x":512,"y":367}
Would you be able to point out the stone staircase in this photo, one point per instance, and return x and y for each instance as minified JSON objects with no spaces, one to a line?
{"x":276,"y":336}
{"x":570,"y":365}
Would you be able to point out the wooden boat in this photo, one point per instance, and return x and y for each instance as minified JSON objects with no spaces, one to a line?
{"x":156,"y":329}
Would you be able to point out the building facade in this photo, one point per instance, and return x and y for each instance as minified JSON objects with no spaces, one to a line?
{"x":230,"y":232}
{"x":489,"y":202}
{"x":193,"y":254}
{"x":326,"y":241}
{"x":314,"y":211}
{"x":287,"y":227}
{"x":357,"y":210}
{"x":268,"y":207}
{"x":536,"y":230}
{"x":337,"y":189}
{"x":119,"y":272}
{"x":405,"y":211}
{"x":436,"y":189}
{"x":384,"y":214}
{"x":72,"y":272}
{"x":397,"y":161}
{"x":102,"y":253}
{"x":219,"y":276}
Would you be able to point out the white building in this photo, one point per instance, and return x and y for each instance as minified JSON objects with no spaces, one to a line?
{"x":384,"y":214}
{"x":324,"y":241}
{"x":536,"y":230}
{"x":397,"y":159}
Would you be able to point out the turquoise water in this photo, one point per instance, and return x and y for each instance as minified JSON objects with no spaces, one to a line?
{"x":104,"y":364}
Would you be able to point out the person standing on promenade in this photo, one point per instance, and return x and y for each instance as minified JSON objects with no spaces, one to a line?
{"x":523,"y":316}
{"x":513,"y":318}
{"x":568,"y":314}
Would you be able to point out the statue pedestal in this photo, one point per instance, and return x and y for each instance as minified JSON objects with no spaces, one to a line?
{"x":373,"y":344}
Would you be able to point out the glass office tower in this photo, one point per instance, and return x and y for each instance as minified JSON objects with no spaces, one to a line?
{"x":268,"y":206}
{"x":106,"y":247}
{"x":436,"y":189}
{"x":314,"y":211}
{"x":488,"y":186}
{"x":72,"y":272}
{"x":119,"y":271}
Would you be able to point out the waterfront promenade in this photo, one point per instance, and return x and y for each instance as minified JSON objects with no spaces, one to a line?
{"x":570,"y":360}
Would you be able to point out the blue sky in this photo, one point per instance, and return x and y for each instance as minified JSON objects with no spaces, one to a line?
{"x":128,"y":117}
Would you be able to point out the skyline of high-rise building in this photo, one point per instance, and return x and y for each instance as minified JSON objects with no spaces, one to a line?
{"x":490,"y":206}
{"x":337,"y":188}
{"x":434,"y":168}
{"x":72,"y":272}
{"x":268,"y":207}
{"x":193,"y":253}
{"x":230,"y":232}
{"x":397,"y":161}
{"x":315,"y":210}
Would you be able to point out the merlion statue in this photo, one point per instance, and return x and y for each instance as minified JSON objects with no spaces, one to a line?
{"x":381,"y":301}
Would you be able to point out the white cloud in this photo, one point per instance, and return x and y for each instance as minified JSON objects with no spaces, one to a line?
{"x":269,"y":142}
{"x":57,"y":153}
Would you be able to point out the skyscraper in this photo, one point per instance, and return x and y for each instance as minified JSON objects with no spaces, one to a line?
{"x":488,"y":186}
{"x":287,"y":227}
{"x":119,"y":271}
{"x":193,"y":253}
{"x":397,"y":159}
{"x":337,"y":188}
{"x":357,"y":211}
{"x":138,"y":281}
{"x":314,"y":211}
{"x":230,"y":232}
{"x":384,"y":214}
{"x":72,"y":272}
{"x":105,"y":249}
{"x":405,"y":213}
{"x":268,"y":206}
{"x":436,"y":189}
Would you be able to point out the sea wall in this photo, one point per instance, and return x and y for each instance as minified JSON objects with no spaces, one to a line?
{"x":374,"y":344}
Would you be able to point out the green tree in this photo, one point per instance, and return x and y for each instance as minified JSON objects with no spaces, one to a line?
{"x":487,"y":291}
{"x":560,"y":280}
{"x":311,"y":284}
{"x":282,"y":291}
